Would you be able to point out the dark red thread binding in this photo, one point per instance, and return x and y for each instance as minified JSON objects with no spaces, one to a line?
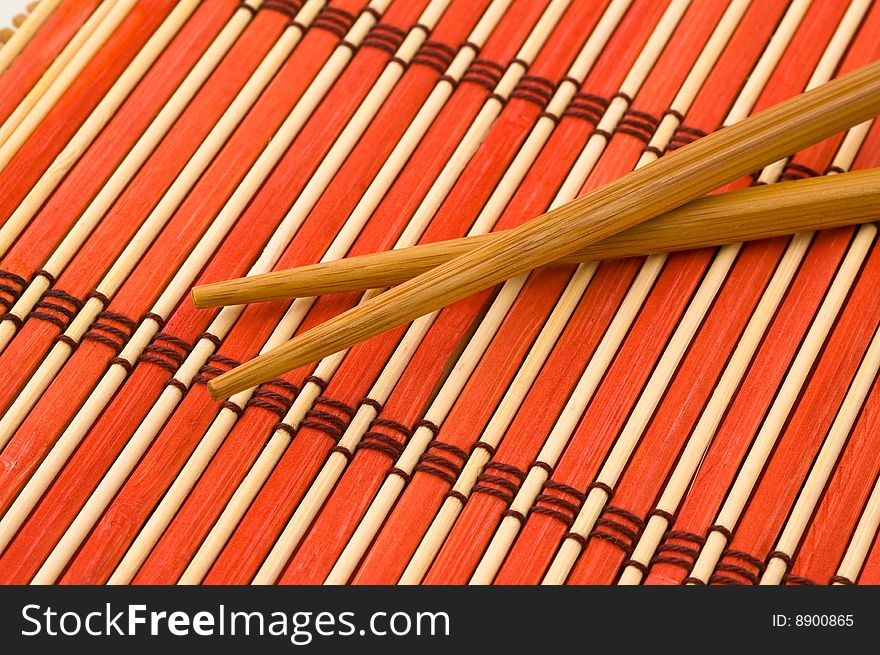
{"x":641,"y":568}
{"x":318,"y":382}
{"x":288,"y":8}
{"x":13,"y":285}
{"x":513,"y":513}
{"x":327,"y":422}
{"x":622,"y":528}
{"x":482,"y":445}
{"x":124,"y":363}
{"x":670,"y":518}
{"x":336,"y":21}
{"x":789,"y":578}
{"x":232,"y":407}
{"x":587,"y":106}
{"x":177,"y":384}
{"x":384,"y":37}
{"x":721,"y":530}
{"x":537,"y":90}
{"x":403,"y":475}
{"x":438,"y":461}
{"x":544,"y":466}
{"x":369,"y":402}
{"x":111,"y":329}
{"x":484,"y":72}
{"x":166,"y":351}
{"x":213,"y":338}
{"x":434,"y":54}
{"x":158,"y":320}
{"x":390,"y":445}
{"x":778,"y":554}
{"x":795,"y":171}
{"x":276,"y":395}
{"x":284,"y":427}
{"x":94,"y":293}
{"x":744,"y":565}
{"x":460,"y":497}
{"x":488,"y":482}
{"x":638,"y":124}
{"x":563,"y":505}
{"x":244,"y":5}
{"x":424,"y":423}
{"x":382,"y":443}
{"x":684,"y":135}
{"x":574,"y":536}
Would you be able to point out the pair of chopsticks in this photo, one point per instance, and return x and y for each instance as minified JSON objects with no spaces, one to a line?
{"x":612,"y":221}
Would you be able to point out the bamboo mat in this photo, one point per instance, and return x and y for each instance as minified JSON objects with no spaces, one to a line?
{"x":702,"y":417}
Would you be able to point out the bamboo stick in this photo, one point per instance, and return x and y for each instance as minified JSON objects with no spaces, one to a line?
{"x":237,"y":202}
{"x":699,"y":305}
{"x":626,"y":314}
{"x":124,"y":173}
{"x":747,"y":215}
{"x":762,"y":446}
{"x":142,"y":239}
{"x":60,"y":75}
{"x":213,"y":438}
{"x":422,"y":216}
{"x":684,"y":175}
{"x":861,"y":540}
{"x":96,"y":121}
{"x":17,"y":40}
{"x":116,"y":375}
{"x":494,"y":317}
{"x":824,"y":464}
{"x":225,"y":320}
{"x":553,"y":328}
{"x":214,"y":541}
{"x":708,"y":423}
{"x":154,"y":223}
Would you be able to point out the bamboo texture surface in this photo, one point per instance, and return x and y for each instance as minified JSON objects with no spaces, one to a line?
{"x":692,"y":400}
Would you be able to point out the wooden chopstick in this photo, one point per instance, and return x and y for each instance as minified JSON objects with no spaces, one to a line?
{"x":681,"y":176}
{"x":747,"y":215}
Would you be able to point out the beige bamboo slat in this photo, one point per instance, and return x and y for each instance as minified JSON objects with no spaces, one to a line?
{"x":671,"y":181}
{"x":292,"y":318}
{"x":628,"y":310}
{"x":140,"y":152}
{"x":211,"y":440}
{"x":728,"y":383}
{"x":490,"y":323}
{"x":144,"y":236}
{"x":699,"y":305}
{"x":60,"y":75}
{"x":747,"y":215}
{"x":418,"y":222}
{"x":550,"y":333}
{"x":466,"y":147}
{"x":824,"y":464}
{"x":15,"y":41}
{"x":861,"y":540}
{"x":116,"y":374}
{"x":105,"y":110}
{"x":213,"y":237}
{"x":55,"y":68}
{"x":784,"y":401}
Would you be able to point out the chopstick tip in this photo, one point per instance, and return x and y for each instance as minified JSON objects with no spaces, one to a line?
{"x":216,"y":393}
